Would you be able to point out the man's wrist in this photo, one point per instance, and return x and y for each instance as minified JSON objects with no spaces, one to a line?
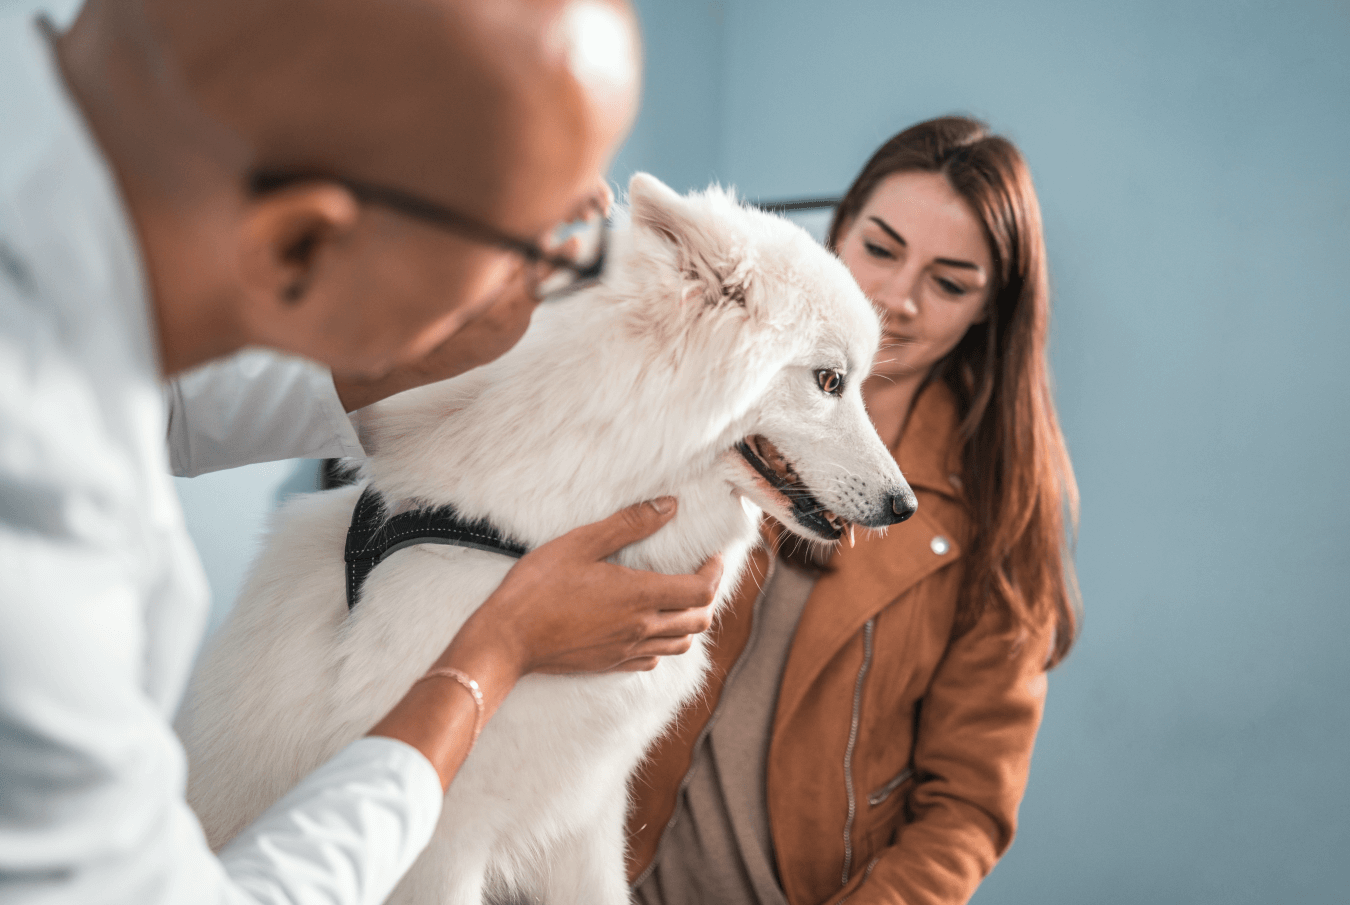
{"x":488,"y":653}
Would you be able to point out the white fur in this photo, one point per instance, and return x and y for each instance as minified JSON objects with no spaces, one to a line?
{"x":710,"y":326}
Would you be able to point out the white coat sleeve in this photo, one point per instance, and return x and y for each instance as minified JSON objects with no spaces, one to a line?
{"x":255,"y":406}
{"x":92,"y":777}
{"x":102,"y":605}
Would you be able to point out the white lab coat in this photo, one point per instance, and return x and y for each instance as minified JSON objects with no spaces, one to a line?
{"x":102,"y":598}
{"x":256,"y":406}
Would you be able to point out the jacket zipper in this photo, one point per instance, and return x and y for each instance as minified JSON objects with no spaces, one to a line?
{"x":885,"y":791}
{"x":852,"y":745}
{"x":867,"y":873}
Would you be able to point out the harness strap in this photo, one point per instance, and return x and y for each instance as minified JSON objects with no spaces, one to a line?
{"x":372,"y":537}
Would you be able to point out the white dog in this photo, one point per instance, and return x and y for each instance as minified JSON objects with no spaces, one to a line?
{"x":718,"y":361}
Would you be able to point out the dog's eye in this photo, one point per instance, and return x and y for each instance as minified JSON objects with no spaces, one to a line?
{"x":830,"y":381}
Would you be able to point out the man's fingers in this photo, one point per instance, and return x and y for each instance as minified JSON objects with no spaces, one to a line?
{"x":676,"y":593}
{"x":679,"y":623}
{"x":665,"y":647}
{"x":637,"y":664}
{"x":649,"y":653}
{"x":711,"y":571}
{"x":607,"y":537}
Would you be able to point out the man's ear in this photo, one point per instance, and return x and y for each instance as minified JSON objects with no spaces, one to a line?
{"x":716,"y":268}
{"x":285,"y":235}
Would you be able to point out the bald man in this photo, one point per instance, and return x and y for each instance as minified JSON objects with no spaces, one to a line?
{"x":368,"y":185}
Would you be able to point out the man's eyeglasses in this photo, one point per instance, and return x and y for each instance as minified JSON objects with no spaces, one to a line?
{"x":573,"y":255}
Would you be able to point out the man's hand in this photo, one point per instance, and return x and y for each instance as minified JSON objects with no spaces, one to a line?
{"x":563,"y":608}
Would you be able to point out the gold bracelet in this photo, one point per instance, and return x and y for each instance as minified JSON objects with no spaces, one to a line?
{"x":469,"y":684}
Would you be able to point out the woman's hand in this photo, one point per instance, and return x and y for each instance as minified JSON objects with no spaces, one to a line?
{"x":561,"y":609}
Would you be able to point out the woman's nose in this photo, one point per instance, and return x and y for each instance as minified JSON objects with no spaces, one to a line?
{"x":896,"y":297}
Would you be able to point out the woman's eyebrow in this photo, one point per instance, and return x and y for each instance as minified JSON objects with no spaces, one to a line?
{"x":890,"y":232}
{"x":950,"y":262}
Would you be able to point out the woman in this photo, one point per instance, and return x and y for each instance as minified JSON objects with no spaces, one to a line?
{"x":874,"y":718}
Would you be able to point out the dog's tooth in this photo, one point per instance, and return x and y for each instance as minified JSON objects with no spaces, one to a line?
{"x":851,"y":541}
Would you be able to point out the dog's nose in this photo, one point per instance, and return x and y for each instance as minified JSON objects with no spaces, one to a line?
{"x":903,"y":505}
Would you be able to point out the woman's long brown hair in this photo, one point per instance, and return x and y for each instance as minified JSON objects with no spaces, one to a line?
{"x":1018,"y":478}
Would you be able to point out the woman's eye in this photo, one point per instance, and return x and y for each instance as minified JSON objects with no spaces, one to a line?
{"x":830,"y":381}
{"x":949,"y":287}
{"x":877,"y":251}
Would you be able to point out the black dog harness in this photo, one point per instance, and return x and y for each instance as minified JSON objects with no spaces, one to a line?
{"x":372,"y":537}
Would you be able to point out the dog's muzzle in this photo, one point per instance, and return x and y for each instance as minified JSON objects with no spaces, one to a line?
{"x":809,"y":512}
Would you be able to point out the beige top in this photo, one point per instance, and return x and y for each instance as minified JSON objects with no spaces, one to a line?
{"x":718,"y":848}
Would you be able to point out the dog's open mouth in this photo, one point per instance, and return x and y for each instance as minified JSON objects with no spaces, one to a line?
{"x":809,"y":512}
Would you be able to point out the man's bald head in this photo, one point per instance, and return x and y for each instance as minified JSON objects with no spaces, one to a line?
{"x":506,"y":111}
{"x":475,"y":102}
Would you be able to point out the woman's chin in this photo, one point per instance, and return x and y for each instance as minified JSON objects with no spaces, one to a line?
{"x":892,"y":371}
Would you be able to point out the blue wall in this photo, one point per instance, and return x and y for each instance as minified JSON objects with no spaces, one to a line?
{"x":1193,"y":162}
{"x":675,"y":136}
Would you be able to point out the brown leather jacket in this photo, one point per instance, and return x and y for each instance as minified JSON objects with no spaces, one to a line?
{"x":899,"y":753}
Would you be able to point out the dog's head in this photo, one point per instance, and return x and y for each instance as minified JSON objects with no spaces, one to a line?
{"x":778,"y":324}
{"x":723,"y":343}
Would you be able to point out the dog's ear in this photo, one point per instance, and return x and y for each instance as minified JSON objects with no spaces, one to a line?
{"x":659,"y":208}
{"x":714,"y":265}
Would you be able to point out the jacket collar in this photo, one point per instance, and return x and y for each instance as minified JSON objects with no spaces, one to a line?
{"x":927,"y":453}
{"x":863,"y":580}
